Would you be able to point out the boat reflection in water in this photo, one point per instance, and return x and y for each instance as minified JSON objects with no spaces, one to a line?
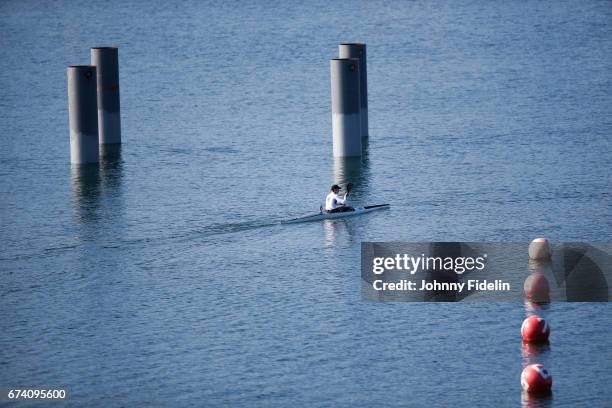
{"x":338,"y":231}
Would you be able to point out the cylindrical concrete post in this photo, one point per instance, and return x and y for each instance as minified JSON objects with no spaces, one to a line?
{"x":358,"y":50}
{"x":106,"y":60}
{"x":346,"y":117}
{"x":83,"y":114}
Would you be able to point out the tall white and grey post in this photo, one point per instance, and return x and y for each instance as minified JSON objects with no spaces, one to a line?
{"x":83,"y":114}
{"x":346,"y":109}
{"x":106,"y":60}
{"x":358,"y":50}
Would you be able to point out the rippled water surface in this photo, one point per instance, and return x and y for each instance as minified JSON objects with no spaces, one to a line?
{"x":163,"y":277}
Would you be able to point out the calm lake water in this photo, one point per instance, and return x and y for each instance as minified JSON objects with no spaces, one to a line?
{"x":163,"y":277}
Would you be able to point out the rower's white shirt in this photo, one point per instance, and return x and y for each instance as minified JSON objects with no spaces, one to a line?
{"x":333,"y":201}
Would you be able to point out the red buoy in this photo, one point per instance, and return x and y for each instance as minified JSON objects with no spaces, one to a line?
{"x":537,"y":288}
{"x":535,"y":330}
{"x":536,"y":379}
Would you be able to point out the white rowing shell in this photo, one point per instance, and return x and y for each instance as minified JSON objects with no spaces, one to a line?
{"x":329,"y":216}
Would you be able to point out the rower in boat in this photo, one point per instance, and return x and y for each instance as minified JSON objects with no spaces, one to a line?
{"x":336,"y":207}
{"x":335,"y":202}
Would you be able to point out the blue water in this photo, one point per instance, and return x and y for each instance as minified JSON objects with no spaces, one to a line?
{"x":163,"y":278}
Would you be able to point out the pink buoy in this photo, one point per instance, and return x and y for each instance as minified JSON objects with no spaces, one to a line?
{"x":535,"y":330}
{"x":536,"y":379}
{"x":537,"y":288}
{"x":540,"y":249}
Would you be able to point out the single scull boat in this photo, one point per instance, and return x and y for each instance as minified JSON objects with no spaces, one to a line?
{"x":327,"y":216}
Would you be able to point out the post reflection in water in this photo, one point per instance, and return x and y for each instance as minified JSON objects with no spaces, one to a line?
{"x":111,"y":167}
{"x":99,"y":208}
{"x":349,"y":170}
{"x":354,"y":170}
{"x":85,"y":181}
{"x":97,"y":186}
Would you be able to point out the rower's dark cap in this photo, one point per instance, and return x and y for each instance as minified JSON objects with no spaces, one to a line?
{"x":335,"y":186}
